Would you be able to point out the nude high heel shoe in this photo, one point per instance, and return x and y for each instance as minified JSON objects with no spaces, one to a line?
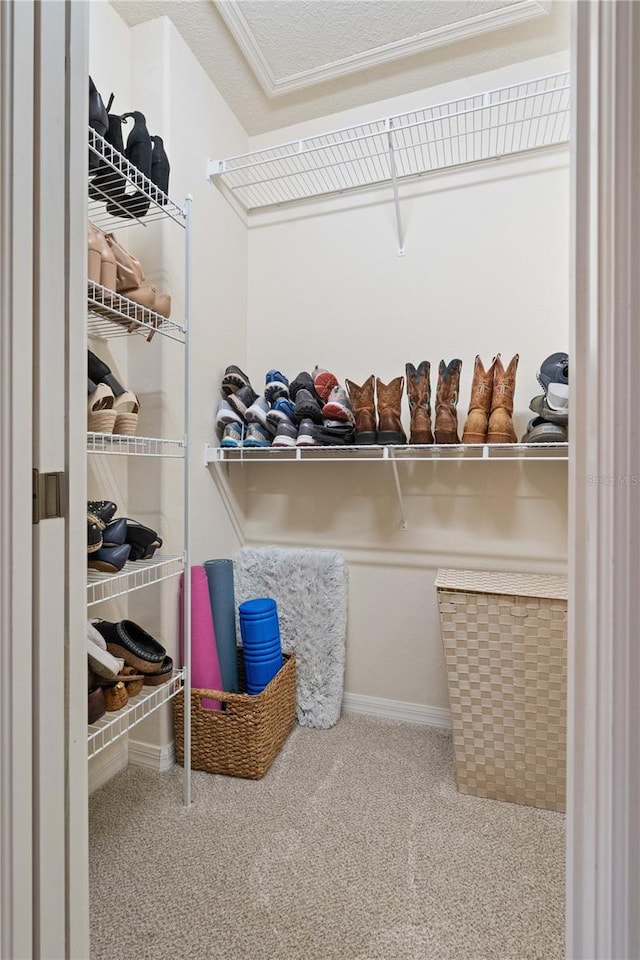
{"x":94,"y":259}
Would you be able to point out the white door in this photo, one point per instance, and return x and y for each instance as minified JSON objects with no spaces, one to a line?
{"x":43,"y":787}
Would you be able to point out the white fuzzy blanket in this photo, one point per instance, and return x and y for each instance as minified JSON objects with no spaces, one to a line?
{"x":310,"y":589}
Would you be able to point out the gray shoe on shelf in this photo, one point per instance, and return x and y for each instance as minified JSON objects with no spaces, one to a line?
{"x":306,"y":434}
{"x":286,"y":434}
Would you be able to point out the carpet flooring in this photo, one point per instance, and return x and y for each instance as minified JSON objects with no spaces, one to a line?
{"x":355,"y":846}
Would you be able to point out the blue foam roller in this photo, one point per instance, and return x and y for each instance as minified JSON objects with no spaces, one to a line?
{"x":223,"y":607}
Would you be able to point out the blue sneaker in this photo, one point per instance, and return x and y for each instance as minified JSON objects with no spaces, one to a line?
{"x":256,"y":436}
{"x":277,"y":386}
{"x":232,"y":435}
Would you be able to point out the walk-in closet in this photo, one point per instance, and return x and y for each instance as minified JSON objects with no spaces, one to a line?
{"x":344,"y":664}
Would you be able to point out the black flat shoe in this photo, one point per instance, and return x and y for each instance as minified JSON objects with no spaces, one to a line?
{"x":109,"y":559}
{"x":143,"y":540}
{"x":115,"y":533}
{"x":94,"y":534}
{"x":104,"y":510}
{"x":133,"y":644}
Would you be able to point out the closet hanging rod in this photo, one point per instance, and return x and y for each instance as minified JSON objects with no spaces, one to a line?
{"x":511,"y":119}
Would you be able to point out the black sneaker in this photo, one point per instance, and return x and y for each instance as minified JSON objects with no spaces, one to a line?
{"x":242,"y":399}
{"x":307,"y":406}
{"x":304,"y":381}
{"x":233,"y":380}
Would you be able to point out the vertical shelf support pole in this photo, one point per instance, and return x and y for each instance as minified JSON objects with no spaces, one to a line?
{"x":394,"y":183}
{"x":186,"y":586}
{"x":388,"y":455}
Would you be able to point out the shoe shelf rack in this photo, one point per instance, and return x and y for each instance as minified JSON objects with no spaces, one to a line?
{"x":119,"y":444}
{"x":392,"y":455}
{"x":116,"y":176}
{"x":486,"y":126}
{"x":135,"y":575}
{"x":114,"y":725}
{"x":111,"y":315}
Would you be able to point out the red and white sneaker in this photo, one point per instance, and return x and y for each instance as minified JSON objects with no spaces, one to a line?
{"x":324,"y":382}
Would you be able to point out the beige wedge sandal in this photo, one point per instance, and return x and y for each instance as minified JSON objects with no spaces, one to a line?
{"x":101,"y":416}
{"x":126,"y":407}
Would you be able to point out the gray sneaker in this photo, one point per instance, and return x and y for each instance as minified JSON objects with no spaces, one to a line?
{"x":286,"y":434}
{"x":306,"y":433}
{"x":257,"y":412}
{"x":338,"y":406}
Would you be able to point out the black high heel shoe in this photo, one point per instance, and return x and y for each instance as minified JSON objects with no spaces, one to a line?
{"x":98,"y":120}
{"x":109,"y":184}
{"x":99,"y":372}
{"x":160,"y":166}
{"x":138,"y":150}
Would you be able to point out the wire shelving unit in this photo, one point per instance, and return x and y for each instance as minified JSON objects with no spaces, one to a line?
{"x":115,"y":724}
{"x":120,"y":196}
{"x":486,"y":126}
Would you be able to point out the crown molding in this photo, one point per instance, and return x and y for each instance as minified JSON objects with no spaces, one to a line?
{"x":451,"y":33}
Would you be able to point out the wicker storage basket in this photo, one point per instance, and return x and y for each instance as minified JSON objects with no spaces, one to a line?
{"x":505,"y":648}
{"x":243,"y":738}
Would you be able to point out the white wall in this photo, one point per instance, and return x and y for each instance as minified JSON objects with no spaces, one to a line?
{"x":486,"y":270}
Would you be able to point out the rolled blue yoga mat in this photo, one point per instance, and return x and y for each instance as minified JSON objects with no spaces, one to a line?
{"x":223,"y":607}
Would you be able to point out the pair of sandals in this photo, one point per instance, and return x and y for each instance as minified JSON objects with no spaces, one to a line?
{"x":112,"y":542}
{"x":110,"y":408}
{"x":122,"y":658}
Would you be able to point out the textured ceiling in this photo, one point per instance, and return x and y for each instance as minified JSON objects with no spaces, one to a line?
{"x":317,"y":57}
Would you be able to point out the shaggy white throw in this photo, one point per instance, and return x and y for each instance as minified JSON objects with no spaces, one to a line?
{"x":310,"y":589}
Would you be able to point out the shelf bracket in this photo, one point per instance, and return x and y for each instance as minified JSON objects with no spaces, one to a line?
{"x":394,"y":184}
{"x":388,"y":455}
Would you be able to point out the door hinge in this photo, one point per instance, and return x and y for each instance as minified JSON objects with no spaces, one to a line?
{"x":48,"y":499}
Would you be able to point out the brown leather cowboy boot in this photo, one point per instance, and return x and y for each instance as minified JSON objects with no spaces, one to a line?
{"x":419,"y":394}
{"x":500,"y":429}
{"x":389,"y":397}
{"x":446,"y":426}
{"x":475,"y":428}
{"x":364,"y":409}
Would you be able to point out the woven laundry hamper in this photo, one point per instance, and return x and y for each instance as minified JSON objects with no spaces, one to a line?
{"x":505,"y":645}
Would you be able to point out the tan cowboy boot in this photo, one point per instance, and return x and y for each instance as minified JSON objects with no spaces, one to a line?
{"x":389,"y":403}
{"x":364,"y":409}
{"x":475,"y":429}
{"x":500,"y":429}
{"x":419,"y":394}
{"x":446,"y":426}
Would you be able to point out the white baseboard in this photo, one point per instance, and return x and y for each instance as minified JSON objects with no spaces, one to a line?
{"x":107,"y":763}
{"x":151,"y":755}
{"x":396,"y":710}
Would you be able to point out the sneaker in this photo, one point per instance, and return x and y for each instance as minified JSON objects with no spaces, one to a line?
{"x":335,"y":433}
{"x":257,"y":412}
{"x":553,"y":377}
{"x":242,"y":399}
{"x":338,"y":406}
{"x":282,"y":409}
{"x":304,"y":381}
{"x":256,"y":436}
{"x":233,"y":379}
{"x":306,"y":434}
{"x":232,"y":435}
{"x":277,"y":386}
{"x":226,"y":414}
{"x":324,"y":382}
{"x":286,"y":434}
{"x":307,"y":407}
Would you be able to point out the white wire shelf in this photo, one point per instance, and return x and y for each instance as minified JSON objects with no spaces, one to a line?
{"x":135,"y":575}
{"x":115,"y":179}
{"x":115,"y":724}
{"x":486,"y":126}
{"x":112,"y":315}
{"x":385,"y":454}
{"x":119,"y":444}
